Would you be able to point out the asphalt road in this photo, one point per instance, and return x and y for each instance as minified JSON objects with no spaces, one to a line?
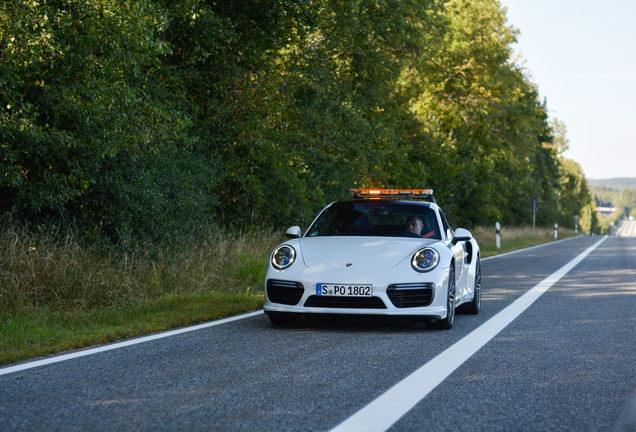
{"x":566,"y":363}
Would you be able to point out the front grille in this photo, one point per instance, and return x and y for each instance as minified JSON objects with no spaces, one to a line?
{"x":345,"y":302}
{"x":410,"y":295}
{"x":285,"y":292}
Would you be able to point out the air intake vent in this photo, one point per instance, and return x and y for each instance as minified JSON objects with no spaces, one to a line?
{"x":285,"y":292}
{"x":410,"y":295}
{"x":345,"y":302}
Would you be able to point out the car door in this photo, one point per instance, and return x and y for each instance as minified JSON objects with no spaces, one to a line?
{"x":458,"y":254}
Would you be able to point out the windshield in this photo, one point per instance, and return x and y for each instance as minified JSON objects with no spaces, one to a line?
{"x":377,"y":218}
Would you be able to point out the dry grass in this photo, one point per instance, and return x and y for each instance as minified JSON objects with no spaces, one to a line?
{"x":54,"y":270}
{"x":513,"y":238}
{"x":57,"y":293}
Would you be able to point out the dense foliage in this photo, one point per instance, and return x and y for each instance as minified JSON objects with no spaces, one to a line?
{"x":149,"y":118}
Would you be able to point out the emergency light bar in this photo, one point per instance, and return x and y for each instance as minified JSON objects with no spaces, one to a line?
{"x":393,"y":193}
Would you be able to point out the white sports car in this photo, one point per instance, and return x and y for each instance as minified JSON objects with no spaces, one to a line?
{"x":384,"y":252}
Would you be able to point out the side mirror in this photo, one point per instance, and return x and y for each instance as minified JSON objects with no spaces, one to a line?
{"x":293,"y":232}
{"x":461,"y":235}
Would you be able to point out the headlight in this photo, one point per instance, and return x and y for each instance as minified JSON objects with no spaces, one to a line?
{"x":425,"y":260}
{"x":283,"y":257}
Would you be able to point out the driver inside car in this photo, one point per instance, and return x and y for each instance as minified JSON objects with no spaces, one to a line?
{"x":415,"y":225}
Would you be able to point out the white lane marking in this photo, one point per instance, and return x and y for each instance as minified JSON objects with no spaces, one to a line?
{"x":91,"y":351}
{"x":388,"y":408}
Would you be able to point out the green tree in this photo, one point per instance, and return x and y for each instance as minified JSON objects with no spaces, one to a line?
{"x":147,"y":118}
{"x":560,"y":141}
{"x":487,"y":154}
{"x":81,"y":104}
{"x":574,"y":194}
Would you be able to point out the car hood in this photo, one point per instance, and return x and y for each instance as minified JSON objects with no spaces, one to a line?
{"x":377,"y":253}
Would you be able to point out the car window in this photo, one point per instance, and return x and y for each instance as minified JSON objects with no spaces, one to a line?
{"x":376,"y":218}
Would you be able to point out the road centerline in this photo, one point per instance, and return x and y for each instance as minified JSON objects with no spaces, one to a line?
{"x":388,"y":408}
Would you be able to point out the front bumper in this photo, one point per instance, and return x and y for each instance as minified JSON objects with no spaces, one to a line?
{"x":394,"y":294}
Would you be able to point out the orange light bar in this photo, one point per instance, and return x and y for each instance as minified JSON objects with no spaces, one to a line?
{"x":393,"y":192}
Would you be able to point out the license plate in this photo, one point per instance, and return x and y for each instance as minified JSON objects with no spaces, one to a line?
{"x":344,"y":290}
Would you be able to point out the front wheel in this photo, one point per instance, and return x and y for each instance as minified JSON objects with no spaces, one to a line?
{"x":447,"y":323}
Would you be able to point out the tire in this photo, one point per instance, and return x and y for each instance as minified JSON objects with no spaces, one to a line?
{"x":447,"y":323}
{"x":475,"y":306}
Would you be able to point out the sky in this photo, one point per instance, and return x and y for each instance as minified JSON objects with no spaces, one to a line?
{"x":582,"y":56}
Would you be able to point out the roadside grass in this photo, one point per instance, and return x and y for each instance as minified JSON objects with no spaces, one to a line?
{"x":57,"y":293}
{"x":46,"y":331}
{"x":514,"y":238}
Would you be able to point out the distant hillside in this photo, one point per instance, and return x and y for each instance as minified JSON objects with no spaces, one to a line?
{"x":615,"y":183}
